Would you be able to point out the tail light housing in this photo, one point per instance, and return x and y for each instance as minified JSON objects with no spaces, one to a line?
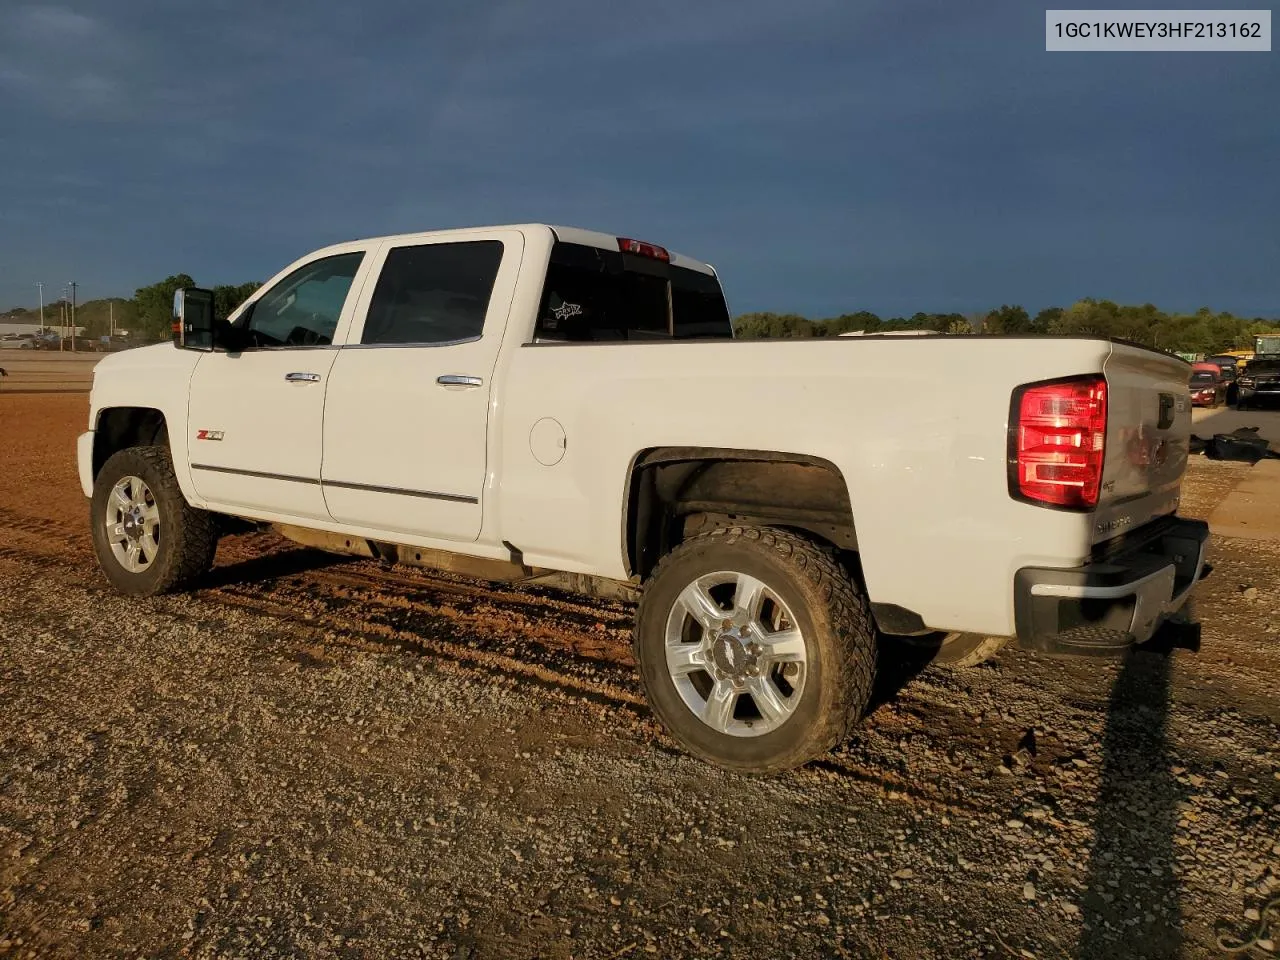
{"x":642,"y":249}
{"x":1057,"y":442}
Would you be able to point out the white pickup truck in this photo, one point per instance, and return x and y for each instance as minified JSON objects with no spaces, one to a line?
{"x":550,"y":405}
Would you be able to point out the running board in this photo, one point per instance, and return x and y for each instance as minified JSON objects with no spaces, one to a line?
{"x":602,"y":588}
{"x":481,"y":568}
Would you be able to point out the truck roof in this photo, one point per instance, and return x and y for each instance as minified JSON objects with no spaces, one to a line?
{"x":590,"y":238}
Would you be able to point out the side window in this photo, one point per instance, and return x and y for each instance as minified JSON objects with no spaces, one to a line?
{"x":605,"y":295}
{"x":303,"y":309}
{"x":588,"y":295}
{"x":433,"y":293}
{"x":698,"y":306}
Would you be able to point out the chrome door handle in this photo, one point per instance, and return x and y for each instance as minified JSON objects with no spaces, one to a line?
{"x":302,"y":377}
{"x":458,"y":380}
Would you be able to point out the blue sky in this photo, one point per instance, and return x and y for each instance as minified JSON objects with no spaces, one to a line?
{"x":826,"y":156}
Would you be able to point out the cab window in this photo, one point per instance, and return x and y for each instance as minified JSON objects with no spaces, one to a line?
{"x":605,"y":295}
{"x":303,"y":309}
{"x":433,"y":293}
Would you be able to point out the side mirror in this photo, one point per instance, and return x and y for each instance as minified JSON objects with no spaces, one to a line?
{"x":193,"y":319}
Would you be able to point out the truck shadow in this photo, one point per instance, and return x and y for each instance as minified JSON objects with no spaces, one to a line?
{"x":898,"y":662}
{"x":270,"y":566}
{"x":1131,"y":903}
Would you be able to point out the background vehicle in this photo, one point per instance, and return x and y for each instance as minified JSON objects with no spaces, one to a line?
{"x":110,"y":344}
{"x":16,"y":341}
{"x":1208,"y":386}
{"x":484,"y":406}
{"x":1259,"y":383}
{"x":46,"y":341}
{"x":1230,"y":367}
{"x":1241,"y":357}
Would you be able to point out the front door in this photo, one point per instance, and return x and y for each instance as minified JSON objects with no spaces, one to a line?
{"x":255,"y":415}
{"x":406,"y":411}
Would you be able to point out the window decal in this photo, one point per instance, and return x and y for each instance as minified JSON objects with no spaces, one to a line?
{"x":567,"y":310}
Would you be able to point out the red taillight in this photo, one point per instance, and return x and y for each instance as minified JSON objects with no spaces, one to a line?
{"x":640,"y":248}
{"x":1057,"y":440}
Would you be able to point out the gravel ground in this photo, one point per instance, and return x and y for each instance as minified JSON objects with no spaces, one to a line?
{"x":314,"y":757}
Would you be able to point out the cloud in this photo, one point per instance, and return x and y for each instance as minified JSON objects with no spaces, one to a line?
{"x":816,"y":150}
{"x":64,"y":62}
{"x":55,"y":21}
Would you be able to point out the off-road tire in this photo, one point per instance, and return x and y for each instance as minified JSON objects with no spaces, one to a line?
{"x":963,"y":650}
{"x":188,"y":537}
{"x":831,"y":612}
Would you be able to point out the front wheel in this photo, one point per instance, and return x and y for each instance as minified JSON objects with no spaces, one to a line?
{"x":756,"y":649}
{"x":148,"y":539}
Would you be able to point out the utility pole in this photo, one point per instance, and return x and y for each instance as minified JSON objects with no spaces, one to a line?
{"x":111,"y":319}
{"x":73,"y":316}
{"x":40,"y":287}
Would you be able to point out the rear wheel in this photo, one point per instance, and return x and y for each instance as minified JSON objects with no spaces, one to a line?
{"x":756,"y":649}
{"x":148,"y":539}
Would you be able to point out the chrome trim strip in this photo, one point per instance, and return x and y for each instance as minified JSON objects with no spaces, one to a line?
{"x":399,"y":491}
{"x":358,"y":346}
{"x":1100,"y":593}
{"x":252,"y":473}
{"x":340,"y":484}
{"x":282,"y":347}
{"x":387,"y":346}
{"x":543,"y":342}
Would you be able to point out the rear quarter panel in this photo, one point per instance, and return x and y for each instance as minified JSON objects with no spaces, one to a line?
{"x":917,"y":428}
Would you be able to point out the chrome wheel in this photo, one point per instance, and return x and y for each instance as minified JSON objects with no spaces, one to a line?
{"x":132,"y":523}
{"x":736,"y":654}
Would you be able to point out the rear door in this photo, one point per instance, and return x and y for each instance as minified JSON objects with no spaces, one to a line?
{"x":1148,"y":435}
{"x":407,"y":409}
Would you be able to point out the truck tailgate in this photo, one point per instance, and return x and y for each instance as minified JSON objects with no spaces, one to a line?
{"x":1148,"y":434}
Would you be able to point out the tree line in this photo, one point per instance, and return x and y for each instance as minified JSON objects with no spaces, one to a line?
{"x":1204,"y":331}
{"x":147,"y":316}
{"x":155,"y":303}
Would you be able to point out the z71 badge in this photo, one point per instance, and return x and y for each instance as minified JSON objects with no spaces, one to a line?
{"x":208,"y":434}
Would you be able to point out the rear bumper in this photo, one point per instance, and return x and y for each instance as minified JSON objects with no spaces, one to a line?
{"x":1113,"y":602}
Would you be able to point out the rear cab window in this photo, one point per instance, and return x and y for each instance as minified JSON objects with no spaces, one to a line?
{"x":434,"y":293}
{"x":593,"y":294}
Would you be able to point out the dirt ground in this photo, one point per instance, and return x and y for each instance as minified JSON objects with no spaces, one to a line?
{"x":313,"y":757}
